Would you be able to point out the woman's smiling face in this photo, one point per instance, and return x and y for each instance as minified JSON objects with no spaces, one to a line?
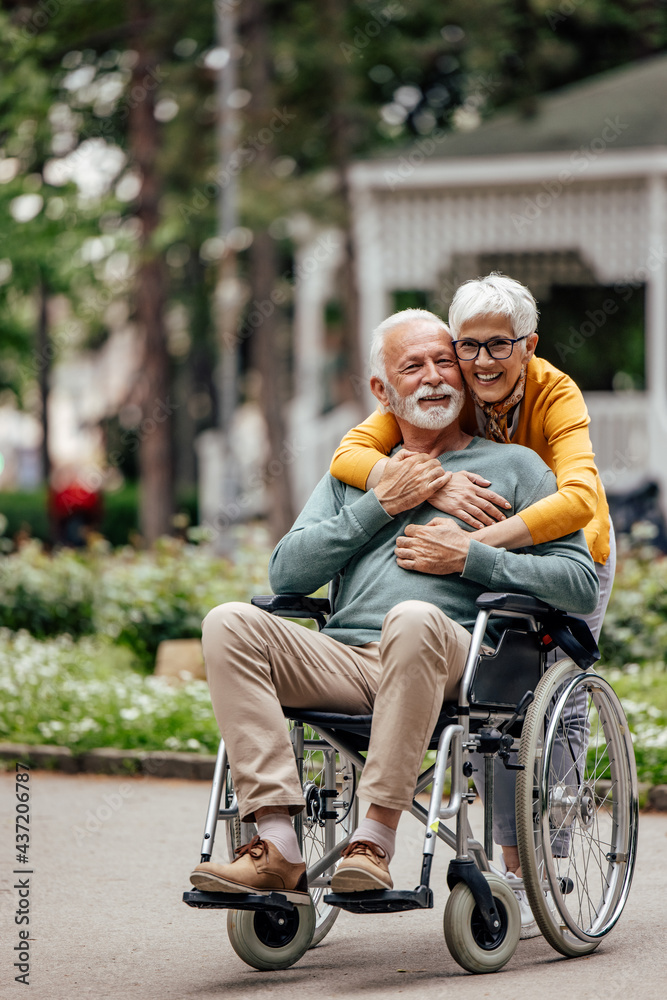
{"x":491,"y":379}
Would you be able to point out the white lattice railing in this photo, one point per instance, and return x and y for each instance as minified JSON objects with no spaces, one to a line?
{"x":620,"y":435}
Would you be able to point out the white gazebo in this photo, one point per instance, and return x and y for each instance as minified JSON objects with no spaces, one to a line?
{"x":575,"y":193}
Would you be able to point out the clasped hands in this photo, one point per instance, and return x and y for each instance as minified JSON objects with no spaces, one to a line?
{"x":441,"y":546}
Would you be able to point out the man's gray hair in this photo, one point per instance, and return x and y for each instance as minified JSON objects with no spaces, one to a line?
{"x":376,"y":359}
{"x":495,"y":295}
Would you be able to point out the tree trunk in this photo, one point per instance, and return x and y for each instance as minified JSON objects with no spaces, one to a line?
{"x":333,"y":13}
{"x":44,"y":376}
{"x":267,"y":360}
{"x":156,"y":475}
{"x":265,"y":351}
{"x":228,"y":302}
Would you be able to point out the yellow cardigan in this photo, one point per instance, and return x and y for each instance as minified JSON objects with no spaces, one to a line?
{"x":553,"y":421}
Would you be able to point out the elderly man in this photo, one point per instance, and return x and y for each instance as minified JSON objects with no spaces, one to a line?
{"x":397,"y":642}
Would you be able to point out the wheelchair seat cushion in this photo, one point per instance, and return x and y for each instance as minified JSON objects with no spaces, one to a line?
{"x":358,"y":727}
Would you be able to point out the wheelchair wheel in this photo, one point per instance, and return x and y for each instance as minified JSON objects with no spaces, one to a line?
{"x":325,"y":772}
{"x":576,"y":808}
{"x":468,"y":940}
{"x":271,"y":939}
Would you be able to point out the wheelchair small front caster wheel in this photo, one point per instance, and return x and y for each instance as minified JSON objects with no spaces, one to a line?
{"x":271,"y":939}
{"x":467,"y":937}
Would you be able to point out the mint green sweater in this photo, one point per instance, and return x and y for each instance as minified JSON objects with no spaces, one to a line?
{"x":346,"y":533}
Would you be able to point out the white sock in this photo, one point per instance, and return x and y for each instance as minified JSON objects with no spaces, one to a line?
{"x":277,"y":827}
{"x":377,"y":833}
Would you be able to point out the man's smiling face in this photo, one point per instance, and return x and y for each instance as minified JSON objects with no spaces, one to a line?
{"x":424,"y":384}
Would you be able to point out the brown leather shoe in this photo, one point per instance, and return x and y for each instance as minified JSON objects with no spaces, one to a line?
{"x":260,"y":868}
{"x":364,"y":866}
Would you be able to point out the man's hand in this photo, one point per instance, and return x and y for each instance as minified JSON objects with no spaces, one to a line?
{"x":409,"y":479}
{"x":439,"y":547}
{"x":466,"y":497}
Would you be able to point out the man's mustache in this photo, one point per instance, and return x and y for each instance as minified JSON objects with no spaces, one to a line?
{"x":441,"y":390}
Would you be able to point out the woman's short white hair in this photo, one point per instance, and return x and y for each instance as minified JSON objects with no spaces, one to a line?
{"x":494,"y":295}
{"x":376,"y":359}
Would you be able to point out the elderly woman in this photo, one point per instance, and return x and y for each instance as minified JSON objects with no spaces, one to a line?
{"x":512,"y":396}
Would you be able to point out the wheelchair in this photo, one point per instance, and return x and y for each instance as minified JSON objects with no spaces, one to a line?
{"x":561,"y":729}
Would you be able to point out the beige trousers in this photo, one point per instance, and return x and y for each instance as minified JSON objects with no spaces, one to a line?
{"x":256,"y":663}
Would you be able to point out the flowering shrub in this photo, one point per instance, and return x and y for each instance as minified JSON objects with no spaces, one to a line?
{"x":145,"y":597}
{"x":635,"y":625}
{"x":135,"y":598}
{"x":85,"y":694}
{"x":44,"y":595}
{"x":643,"y":693}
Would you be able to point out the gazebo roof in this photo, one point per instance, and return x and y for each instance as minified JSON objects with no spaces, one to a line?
{"x":634,"y":98}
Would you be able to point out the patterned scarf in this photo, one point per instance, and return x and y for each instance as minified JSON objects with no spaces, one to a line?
{"x":496,"y":413}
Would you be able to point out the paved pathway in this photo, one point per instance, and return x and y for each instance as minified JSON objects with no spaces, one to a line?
{"x":109,"y":860}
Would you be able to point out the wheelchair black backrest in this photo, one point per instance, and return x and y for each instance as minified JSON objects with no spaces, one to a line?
{"x":502,"y":678}
{"x":530,"y":628}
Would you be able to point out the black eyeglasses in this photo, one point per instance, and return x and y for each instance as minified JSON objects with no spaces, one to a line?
{"x":498,"y":349}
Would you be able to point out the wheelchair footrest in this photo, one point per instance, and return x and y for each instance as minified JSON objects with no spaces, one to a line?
{"x":382,"y":900}
{"x":236,"y":901}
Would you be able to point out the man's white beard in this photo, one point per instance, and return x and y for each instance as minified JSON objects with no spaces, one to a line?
{"x":435,"y":418}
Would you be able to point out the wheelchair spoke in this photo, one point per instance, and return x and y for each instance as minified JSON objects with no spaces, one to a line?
{"x":329,"y":785}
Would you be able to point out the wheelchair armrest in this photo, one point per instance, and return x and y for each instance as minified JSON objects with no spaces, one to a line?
{"x":516,"y":604}
{"x":294,"y":606}
{"x":556,"y":628}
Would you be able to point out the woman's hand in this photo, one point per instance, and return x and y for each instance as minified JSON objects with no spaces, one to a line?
{"x":467,"y":497}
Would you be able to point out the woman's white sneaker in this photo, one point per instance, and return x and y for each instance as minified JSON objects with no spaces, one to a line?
{"x":529,"y":928}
